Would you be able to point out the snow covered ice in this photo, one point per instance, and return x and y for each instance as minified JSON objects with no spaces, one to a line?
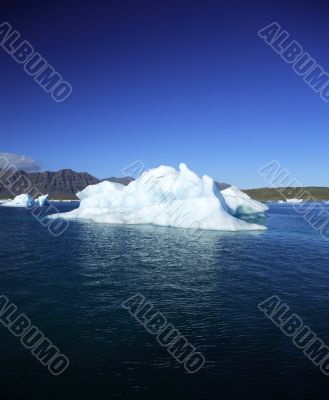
{"x":26,"y":201}
{"x":165,"y":197}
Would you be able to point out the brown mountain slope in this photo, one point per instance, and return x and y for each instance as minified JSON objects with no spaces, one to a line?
{"x":63,"y":184}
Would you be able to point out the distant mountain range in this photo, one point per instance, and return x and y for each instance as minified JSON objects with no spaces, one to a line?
{"x":60,"y":185}
{"x":64,"y":184}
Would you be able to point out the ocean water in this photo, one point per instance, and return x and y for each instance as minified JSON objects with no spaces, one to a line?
{"x":72,"y":288}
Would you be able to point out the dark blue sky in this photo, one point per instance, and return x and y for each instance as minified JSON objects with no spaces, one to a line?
{"x":165,"y":82}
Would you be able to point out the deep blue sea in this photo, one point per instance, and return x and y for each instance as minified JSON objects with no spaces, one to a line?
{"x":72,"y":288}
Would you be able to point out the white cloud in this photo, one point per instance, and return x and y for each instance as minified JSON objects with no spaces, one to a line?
{"x":16,"y":161}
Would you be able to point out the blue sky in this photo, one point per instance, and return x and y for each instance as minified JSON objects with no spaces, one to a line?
{"x":165,"y":82}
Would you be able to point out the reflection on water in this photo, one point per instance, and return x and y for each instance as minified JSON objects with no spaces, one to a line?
{"x":72,"y":287}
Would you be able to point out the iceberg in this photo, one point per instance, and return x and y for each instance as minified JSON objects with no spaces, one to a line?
{"x":164,"y":196}
{"x":26,"y":201}
{"x":240,"y":203}
{"x":42,"y":201}
{"x":23,"y":200}
{"x":294,"y":201}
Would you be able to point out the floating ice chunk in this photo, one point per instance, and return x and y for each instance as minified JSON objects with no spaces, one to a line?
{"x":42,"y":201}
{"x":23,"y":200}
{"x":240,"y":203}
{"x":161,"y":196}
{"x":294,"y":201}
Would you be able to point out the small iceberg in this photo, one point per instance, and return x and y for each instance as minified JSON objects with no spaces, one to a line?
{"x":164,"y":196}
{"x":23,"y":200}
{"x":294,"y":201}
{"x":27,"y":201}
{"x":42,"y":201}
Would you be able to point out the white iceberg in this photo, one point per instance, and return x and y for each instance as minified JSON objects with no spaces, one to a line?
{"x":42,"y":201}
{"x":240,"y":203}
{"x":294,"y":201}
{"x":26,"y":201}
{"x":164,"y":197}
{"x":23,"y":200}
